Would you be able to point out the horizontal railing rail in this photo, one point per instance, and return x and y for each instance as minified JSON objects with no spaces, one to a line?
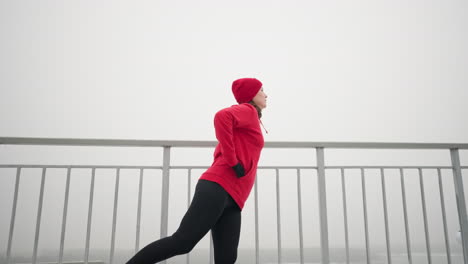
{"x":201,"y":144}
{"x":320,"y":168}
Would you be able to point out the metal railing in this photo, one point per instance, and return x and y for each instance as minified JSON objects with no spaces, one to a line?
{"x":319,"y":167}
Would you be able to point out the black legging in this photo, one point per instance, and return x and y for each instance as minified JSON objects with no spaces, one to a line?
{"x":211,"y":208}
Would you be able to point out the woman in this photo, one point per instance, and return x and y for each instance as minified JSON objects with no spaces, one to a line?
{"x":222,"y":190}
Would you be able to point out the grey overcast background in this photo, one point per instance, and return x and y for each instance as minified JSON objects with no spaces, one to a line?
{"x":375,"y":71}
{"x":334,"y":70}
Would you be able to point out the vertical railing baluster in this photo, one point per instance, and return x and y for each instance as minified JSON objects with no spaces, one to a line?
{"x":278,"y":216}
{"x":189,"y":196}
{"x":90,"y":215}
{"x":211,"y":248}
{"x":257,"y":237}
{"x":444,"y":218}
{"x":384,"y":199}
{"x":13,"y":215}
{"x":165,"y":192}
{"x":460,"y":197}
{"x":114,"y":216}
{"x":405,"y":215}
{"x":322,"y":197}
{"x":64,"y":216}
{"x":138,"y":223}
{"x":299,"y":209}
{"x":39,"y":216}
{"x":426,"y":228}
{"x":345,"y":214}
{"x":364,"y":206}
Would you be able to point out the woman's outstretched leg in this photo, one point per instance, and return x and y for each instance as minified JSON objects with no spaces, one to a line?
{"x":207,"y":205}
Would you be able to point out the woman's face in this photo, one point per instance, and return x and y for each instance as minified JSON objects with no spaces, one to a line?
{"x":260,"y":99}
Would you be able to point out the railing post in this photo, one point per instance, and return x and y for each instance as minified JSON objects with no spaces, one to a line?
{"x":460,"y":197}
{"x":165,"y":191}
{"x":322,"y":205}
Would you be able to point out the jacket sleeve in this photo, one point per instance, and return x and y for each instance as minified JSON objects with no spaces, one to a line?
{"x":224,"y":123}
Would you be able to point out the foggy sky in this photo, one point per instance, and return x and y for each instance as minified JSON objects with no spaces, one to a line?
{"x":334,"y":70}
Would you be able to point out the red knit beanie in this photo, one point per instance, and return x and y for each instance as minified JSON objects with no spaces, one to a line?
{"x":245,"y":89}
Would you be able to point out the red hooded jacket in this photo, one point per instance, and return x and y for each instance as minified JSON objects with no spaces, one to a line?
{"x":240,"y":139}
